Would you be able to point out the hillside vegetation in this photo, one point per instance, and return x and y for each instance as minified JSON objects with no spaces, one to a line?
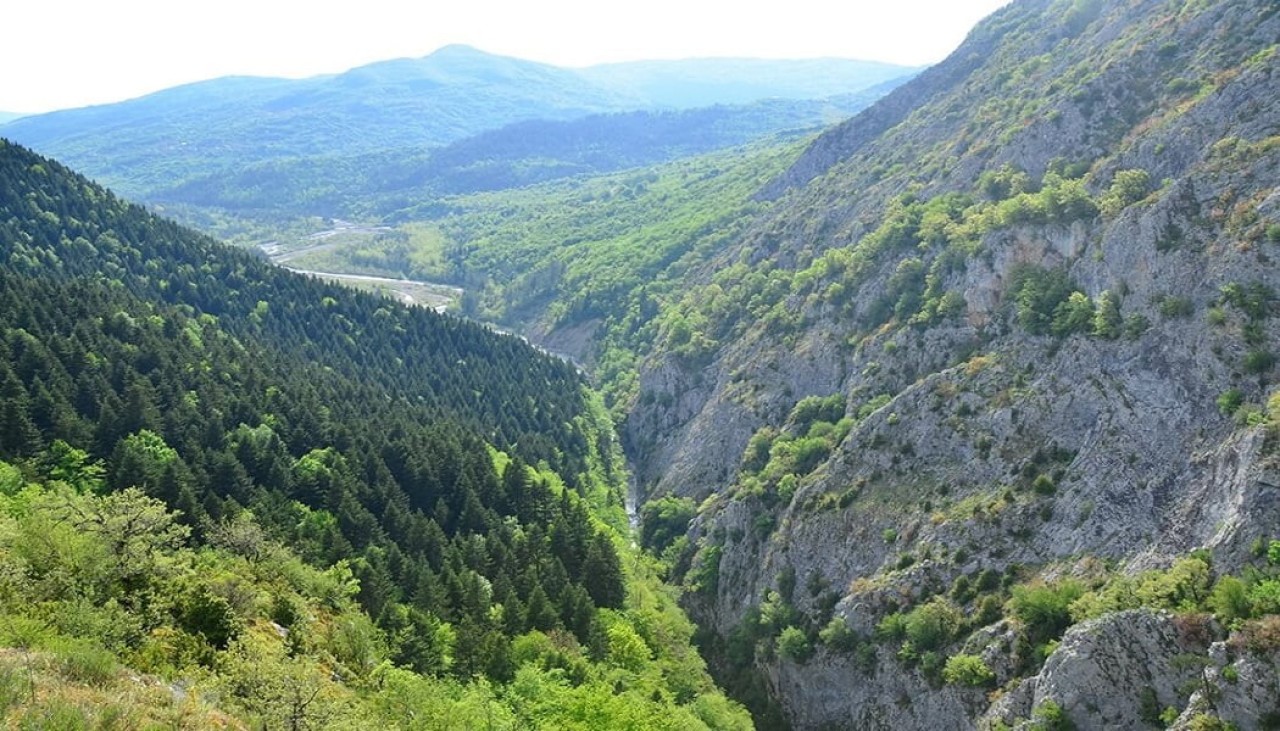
{"x":594,"y":258}
{"x":961,"y":414}
{"x":978,"y":386}
{"x":982,"y":392}
{"x":379,"y":184}
{"x":234,"y":496}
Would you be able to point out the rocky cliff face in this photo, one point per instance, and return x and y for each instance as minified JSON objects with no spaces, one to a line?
{"x":1126,"y":152}
{"x":1103,"y":669}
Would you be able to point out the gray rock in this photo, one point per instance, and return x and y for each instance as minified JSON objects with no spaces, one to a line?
{"x":1115,"y":672}
{"x":1244,"y":691}
{"x":1144,"y":466}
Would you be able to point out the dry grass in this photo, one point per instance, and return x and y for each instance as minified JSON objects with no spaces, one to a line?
{"x":42,"y":689}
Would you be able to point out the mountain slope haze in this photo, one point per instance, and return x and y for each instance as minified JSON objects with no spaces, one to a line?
{"x":226,"y":124}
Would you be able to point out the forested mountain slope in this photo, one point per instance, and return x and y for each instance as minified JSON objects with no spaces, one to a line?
{"x":165,"y":137}
{"x":58,"y":224}
{"x":988,"y":352}
{"x":963,"y":416}
{"x":570,"y":260}
{"x":379,"y":184}
{"x":286,"y":504}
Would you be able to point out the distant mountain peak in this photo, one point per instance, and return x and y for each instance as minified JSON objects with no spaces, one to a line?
{"x":453,"y":93}
{"x":459,"y":50}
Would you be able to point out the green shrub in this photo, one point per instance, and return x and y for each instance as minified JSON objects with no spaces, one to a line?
{"x":55,"y":714}
{"x":892,"y":627}
{"x":988,"y":580}
{"x":817,"y":408}
{"x":10,"y":479}
{"x":967,"y":670}
{"x":1135,"y":325}
{"x":997,"y":185}
{"x":1250,"y":415}
{"x":1229,"y":401}
{"x":24,"y":632}
{"x":1253,"y":299}
{"x":1127,"y":187}
{"x":1206,"y":722}
{"x":809,"y":453}
{"x":1037,"y":293}
{"x":705,"y":575}
{"x":794,"y":645}
{"x":764,"y":524}
{"x":1258,"y":361}
{"x":1043,"y":610}
{"x":86,"y":663}
{"x":1264,"y":597}
{"x":756,"y":455}
{"x":1230,"y":599}
{"x":1107,"y":322}
{"x":837,"y":635}
{"x":1149,"y":706}
{"x":1043,"y":485}
{"x":1049,"y":716}
{"x":211,"y":617}
{"x":1175,"y":307}
{"x":787,"y":487}
{"x":931,"y":663}
{"x":990,"y":610}
{"x":934,"y":624}
{"x":285,"y":611}
{"x":15,"y":688}
{"x":1184,"y":586}
{"x":1253,"y":333}
{"x":664,"y":520}
{"x":1075,"y":315}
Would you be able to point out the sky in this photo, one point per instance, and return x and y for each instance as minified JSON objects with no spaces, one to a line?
{"x":68,"y":53}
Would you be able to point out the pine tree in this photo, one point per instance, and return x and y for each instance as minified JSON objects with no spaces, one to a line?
{"x":602,"y":574}
{"x":1107,"y":322}
{"x":540,"y":613}
{"x":19,"y":435}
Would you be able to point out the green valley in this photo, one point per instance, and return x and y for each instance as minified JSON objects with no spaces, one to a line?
{"x":204,"y":482}
{"x":947,"y":402}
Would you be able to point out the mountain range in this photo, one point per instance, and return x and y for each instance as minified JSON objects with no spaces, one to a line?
{"x":162,"y":139}
{"x":514,"y":156}
{"x":693,"y":83}
{"x":960,"y":413}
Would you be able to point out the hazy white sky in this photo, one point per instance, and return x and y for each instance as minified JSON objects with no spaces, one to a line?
{"x":66,"y":53}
